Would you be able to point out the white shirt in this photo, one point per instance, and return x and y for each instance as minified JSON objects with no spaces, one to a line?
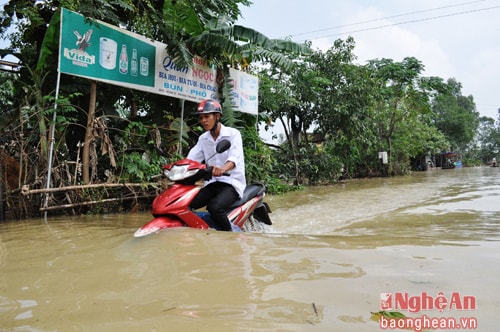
{"x":205,"y":148}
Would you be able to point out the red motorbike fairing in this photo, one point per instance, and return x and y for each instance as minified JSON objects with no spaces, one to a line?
{"x":174,"y":200}
{"x":240,"y":214}
{"x":156,"y":225}
{"x":191,"y":163}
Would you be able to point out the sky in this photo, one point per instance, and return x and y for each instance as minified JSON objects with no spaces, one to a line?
{"x":453,"y":39}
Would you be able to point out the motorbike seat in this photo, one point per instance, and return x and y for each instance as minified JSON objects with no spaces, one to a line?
{"x":250,"y":192}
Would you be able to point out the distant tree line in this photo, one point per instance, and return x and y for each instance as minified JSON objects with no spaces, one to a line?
{"x":337,"y":115}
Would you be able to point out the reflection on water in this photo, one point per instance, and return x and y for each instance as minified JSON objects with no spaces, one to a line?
{"x":322,"y":266}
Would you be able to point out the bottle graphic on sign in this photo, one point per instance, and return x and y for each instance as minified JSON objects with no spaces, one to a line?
{"x":123,"y":64}
{"x":133,"y":64}
{"x":144,"y":66}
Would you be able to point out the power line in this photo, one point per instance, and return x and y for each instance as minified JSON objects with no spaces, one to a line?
{"x":385,"y":18}
{"x":406,"y":22}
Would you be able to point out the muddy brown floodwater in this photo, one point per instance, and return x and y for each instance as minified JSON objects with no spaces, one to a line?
{"x":426,"y":243}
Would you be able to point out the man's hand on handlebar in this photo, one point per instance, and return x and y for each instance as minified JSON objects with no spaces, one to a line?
{"x":219,"y":171}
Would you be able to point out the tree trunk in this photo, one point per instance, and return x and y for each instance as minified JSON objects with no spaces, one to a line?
{"x":88,"y":134}
{"x":290,"y":142}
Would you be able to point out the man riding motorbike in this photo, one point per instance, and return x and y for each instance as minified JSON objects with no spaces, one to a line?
{"x":221,"y":190}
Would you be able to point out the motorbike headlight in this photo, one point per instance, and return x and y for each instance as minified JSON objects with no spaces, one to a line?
{"x":179,"y":172}
{"x":165,"y":172}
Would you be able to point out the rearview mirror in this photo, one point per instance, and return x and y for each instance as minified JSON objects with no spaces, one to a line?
{"x":222,"y":146}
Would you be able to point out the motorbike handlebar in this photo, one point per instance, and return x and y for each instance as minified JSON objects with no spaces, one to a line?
{"x":208,"y":172}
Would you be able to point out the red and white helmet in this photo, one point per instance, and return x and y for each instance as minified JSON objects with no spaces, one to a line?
{"x":208,"y":106}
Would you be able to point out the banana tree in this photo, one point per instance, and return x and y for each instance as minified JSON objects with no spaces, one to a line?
{"x":215,"y":37}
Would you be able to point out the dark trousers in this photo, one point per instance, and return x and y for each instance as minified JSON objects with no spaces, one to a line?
{"x":217,"y":197}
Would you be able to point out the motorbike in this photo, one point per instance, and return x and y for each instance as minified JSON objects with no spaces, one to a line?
{"x":170,"y":208}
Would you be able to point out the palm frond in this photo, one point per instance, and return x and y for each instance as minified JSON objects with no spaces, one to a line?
{"x":181,"y":18}
{"x":213,"y":45}
{"x":279,"y":59}
{"x":246,"y":35}
{"x":50,"y":43}
{"x":230,"y":117}
{"x":180,"y":53}
{"x":292,"y":47}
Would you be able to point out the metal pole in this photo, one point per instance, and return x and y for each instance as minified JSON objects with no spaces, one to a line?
{"x":52,"y":139}
{"x":179,"y":150}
